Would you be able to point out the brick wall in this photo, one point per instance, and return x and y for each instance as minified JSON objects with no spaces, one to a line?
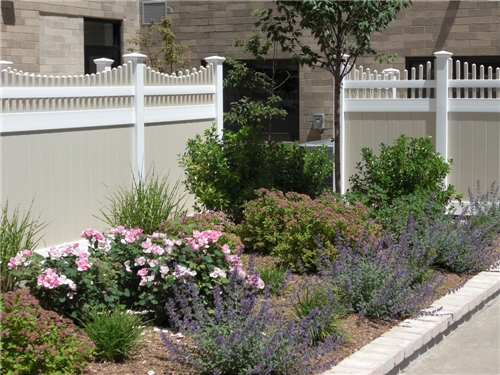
{"x":47,"y":37}
{"x":466,"y":28}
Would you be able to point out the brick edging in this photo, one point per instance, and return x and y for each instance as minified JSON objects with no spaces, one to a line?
{"x":397,"y":348}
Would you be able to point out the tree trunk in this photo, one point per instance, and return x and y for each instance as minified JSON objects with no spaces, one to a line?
{"x":336,"y":131}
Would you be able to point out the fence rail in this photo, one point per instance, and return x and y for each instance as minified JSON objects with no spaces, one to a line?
{"x":461,"y":115}
{"x":66,"y":141}
{"x":130,"y":94}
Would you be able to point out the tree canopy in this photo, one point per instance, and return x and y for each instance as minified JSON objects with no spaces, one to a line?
{"x":342,"y":31}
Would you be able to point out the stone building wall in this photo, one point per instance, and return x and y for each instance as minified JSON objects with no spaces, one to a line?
{"x":465,"y":28}
{"x":47,"y":37}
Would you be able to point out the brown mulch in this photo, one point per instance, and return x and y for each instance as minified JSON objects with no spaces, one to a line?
{"x":153,"y":356}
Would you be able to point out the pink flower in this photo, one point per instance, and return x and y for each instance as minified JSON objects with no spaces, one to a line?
{"x":256,"y":281}
{"x":164,"y":269}
{"x":212,"y":235}
{"x":27,"y":253}
{"x":142,"y":272}
{"x":141,"y":261}
{"x":145,"y":279}
{"x":225,"y":249}
{"x":234,"y":260}
{"x":90,"y":234}
{"x":48,"y":279}
{"x":127,"y":266}
{"x":152,"y":262}
{"x":217,"y":272}
{"x":157,"y":250}
{"x":146,"y":244}
{"x":82,"y":264}
{"x":181,"y":271}
{"x":119,"y":229}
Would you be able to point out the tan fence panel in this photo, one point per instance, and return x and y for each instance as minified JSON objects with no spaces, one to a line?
{"x":66,"y":173}
{"x":474,"y":146}
{"x":364,"y":129}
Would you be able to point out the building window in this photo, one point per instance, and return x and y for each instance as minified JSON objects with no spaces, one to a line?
{"x":486,"y":61}
{"x":101,"y":39}
{"x":288,"y":75}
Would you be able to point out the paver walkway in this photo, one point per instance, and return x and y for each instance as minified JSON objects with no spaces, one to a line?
{"x":460,"y":337}
{"x":472,"y":349}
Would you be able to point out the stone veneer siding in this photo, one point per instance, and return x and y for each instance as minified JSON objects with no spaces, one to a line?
{"x":47,"y":37}
{"x":465,"y":28}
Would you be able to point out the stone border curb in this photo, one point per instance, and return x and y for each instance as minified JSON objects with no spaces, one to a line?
{"x":397,"y":348}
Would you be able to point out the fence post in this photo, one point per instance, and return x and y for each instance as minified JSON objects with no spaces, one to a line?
{"x":393,"y":72}
{"x":103,"y":64}
{"x":137,"y":60}
{"x":4,"y":64}
{"x":217,"y":61}
{"x":343,"y":177}
{"x":442,"y":72}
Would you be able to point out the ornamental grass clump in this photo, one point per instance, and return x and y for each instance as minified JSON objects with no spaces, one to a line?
{"x":116,"y":333}
{"x":243,"y":334}
{"x":127,"y":267}
{"x":34,"y":340}
{"x":468,"y":242}
{"x":286,"y":225}
{"x":17,"y":232}
{"x":320,"y":302}
{"x":383,"y":278}
{"x":148,"y":202}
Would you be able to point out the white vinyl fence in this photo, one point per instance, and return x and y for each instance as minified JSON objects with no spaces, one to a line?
{"x":67,"y":142}
{"x":461,"y":115}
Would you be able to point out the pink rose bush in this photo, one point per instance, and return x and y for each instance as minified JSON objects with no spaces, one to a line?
{"x":126,"y":266}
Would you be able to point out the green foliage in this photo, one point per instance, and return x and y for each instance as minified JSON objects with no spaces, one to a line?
{"x":17,"y":232}
{"x":400,"y":180}
{"x":223,"y":173}
{"x":287,"y":225}
{"x":147,"y":204}
{"x":316,"y":302}
{"x":116,"y":334}
{"x":342,"y":31}
{"x":259,"y":104}
{"x":168,"y":53}
{"x":464,"y":243}
{"x":35,"y":341}
{"x":274,"y":276}
{"x":127,"y":267}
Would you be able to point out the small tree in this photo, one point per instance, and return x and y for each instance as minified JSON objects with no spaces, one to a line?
{"x":168,"y":53}
{"x":342,"y":30}
{"x":260,"y":104}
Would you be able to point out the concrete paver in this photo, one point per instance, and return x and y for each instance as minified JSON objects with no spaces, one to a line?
{"x":472,"y":349}
{"x":460,"y":337}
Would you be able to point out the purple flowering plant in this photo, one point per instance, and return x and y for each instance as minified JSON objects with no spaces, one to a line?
{"x":128,"y":267}
{"x":244,"y":333}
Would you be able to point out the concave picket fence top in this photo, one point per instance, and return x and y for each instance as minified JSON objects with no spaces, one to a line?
{"x":25,"y":92}
{"x":363,"y":83}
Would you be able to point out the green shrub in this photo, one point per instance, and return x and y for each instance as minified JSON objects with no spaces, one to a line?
{"x":116,"y":334}
{"x":146,"y":204}
{"x":126,"y":266}
{"x":206,"y":220}
{"x":288,"y":225}
{"x":400,"y":180}
{"x":17,"y":232}
{"x":223,"y":173}
{"x":34,"y":340}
